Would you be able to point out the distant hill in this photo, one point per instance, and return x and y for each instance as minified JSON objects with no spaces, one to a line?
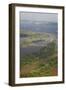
{"x":39,"y":26}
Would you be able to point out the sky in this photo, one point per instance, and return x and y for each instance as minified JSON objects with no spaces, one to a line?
{"x":34,"y":16}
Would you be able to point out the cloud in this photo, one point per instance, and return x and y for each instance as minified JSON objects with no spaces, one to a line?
{"x":34,"y":16}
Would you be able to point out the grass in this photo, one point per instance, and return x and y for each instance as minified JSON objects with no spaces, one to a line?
{"x":42,"y":63}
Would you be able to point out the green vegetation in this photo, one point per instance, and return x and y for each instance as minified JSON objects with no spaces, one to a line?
{"x":32,"y":36}
{"x":42,"y":63}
